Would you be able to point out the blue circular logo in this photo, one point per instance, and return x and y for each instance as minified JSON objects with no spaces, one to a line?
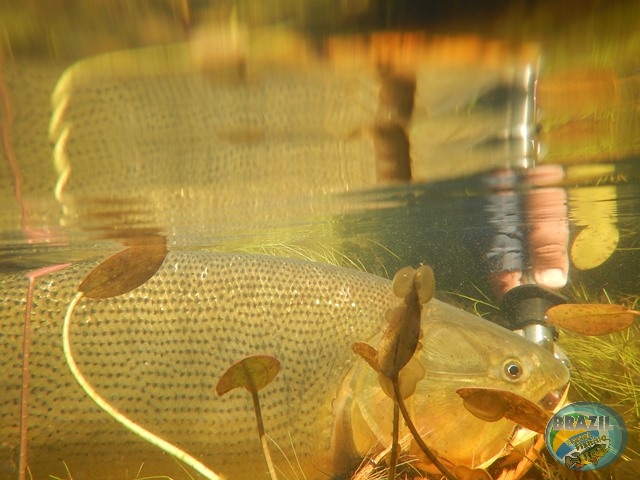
{"x":586,"y":436}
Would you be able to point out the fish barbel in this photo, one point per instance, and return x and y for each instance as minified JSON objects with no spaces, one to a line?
{"x":157,"y":352}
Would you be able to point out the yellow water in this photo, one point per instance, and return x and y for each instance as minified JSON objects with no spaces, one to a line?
{"x":238,"y":126}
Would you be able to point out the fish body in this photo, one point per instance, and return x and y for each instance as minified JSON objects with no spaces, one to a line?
{"x":157,"y":352}
{"x":593,"y":454}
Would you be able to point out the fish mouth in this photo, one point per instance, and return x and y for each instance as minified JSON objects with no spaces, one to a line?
{"x":554,"y":399}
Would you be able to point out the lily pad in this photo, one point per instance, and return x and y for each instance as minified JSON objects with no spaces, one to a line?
{"x":253,"y":373}
{"x":594,"y":245}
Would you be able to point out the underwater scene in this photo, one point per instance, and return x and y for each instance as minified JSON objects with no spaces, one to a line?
{"x":319,"y":239}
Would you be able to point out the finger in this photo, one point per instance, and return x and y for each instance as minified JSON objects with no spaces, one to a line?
{"x":549,"y":236}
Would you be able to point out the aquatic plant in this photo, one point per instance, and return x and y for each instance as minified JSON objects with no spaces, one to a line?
{"x":32,"y":276}
{"x":606,"y":368}
{"x":591,"y":319}
{"x":396,"y":348}
{"x":252,"y":373}
{"x":491,"y":405}
{"x":600,"y":335}
{"x":118,"y":274}
{"x":399,"y":342}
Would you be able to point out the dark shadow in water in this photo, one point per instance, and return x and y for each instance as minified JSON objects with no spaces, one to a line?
{"x":453,"y":226}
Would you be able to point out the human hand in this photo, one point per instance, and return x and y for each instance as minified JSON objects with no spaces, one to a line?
{"x":545,"y":234}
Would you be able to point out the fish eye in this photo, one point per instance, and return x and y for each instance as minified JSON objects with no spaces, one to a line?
{"x":512,"y":369}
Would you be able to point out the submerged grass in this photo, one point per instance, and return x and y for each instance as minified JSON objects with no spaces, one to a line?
{"x":332,"y":253}
{"x":605,"y":368}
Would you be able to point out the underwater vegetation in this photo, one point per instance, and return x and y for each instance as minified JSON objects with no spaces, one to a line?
{"x":405,"y":335}
{"x":605,"y":367}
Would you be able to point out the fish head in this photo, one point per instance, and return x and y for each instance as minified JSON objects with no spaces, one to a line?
{"x":600,"y":450}
{"x":461,"y":350}
{"x":458,"y":350}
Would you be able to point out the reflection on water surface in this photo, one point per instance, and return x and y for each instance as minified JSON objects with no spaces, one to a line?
{"x":499,"y":152}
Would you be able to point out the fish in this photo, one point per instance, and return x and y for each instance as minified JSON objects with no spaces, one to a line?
{"x":593,"y":454}
{"x":157,"y":352}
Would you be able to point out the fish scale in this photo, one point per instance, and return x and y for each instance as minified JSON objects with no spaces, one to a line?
{"x":157,"y":352}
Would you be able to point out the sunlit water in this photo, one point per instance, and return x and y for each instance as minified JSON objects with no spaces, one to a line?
{"x":281,"y":179}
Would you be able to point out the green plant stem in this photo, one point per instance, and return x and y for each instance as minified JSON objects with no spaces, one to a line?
{"x":405,"y":414}
{"x":115,"y":414}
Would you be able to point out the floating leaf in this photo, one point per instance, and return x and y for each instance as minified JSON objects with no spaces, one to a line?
{"x":402,"y":336}
{"x":594,"y":245}
{"x":253,"y":373}
{"x":369,"y":353}
{"x":393,"y":316}
{"x":409,"y":377}
{"x":492,"y":405}
{"x":123,"y":271}
{"x":591,"y":319}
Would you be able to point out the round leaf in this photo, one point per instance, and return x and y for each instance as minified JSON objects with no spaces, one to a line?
{"x":253,"y":373}
{"x":594,"y":245}
{"x":425,"y":283}
{"x":403,"y":282}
